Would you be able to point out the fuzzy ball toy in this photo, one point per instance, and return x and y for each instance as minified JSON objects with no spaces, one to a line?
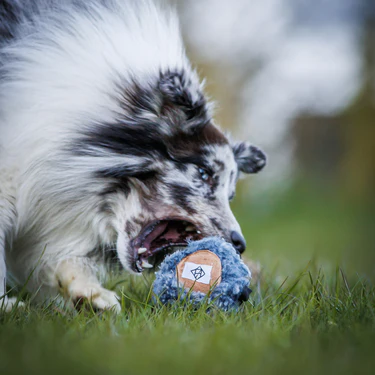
{"x":209,"y":269}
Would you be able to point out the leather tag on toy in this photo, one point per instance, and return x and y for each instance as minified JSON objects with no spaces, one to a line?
{"x":199,"y":271}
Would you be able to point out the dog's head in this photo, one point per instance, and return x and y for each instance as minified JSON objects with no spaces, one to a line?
{"x":170,"y":172}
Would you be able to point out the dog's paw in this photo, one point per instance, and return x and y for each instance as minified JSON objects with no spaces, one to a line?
{"x":7,"y":304}
{"x":99,"y":297}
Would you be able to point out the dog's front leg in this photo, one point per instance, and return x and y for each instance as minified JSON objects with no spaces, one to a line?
{"x":78,"y":282}
{"x":6,"y":303}
{"x":7,"y":223}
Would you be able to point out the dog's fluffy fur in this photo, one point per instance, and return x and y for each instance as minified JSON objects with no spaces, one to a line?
{"x":104,"y":129}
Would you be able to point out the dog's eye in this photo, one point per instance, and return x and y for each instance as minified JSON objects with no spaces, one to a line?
{"x":205,"y":174}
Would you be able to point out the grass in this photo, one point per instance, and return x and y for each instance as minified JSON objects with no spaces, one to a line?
{"x":314,"y":313}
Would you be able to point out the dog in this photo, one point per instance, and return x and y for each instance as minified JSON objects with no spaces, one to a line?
{"x":107,"y":142}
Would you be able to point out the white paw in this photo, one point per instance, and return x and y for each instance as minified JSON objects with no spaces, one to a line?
{"x":99,"y":297}
{"x":7,"y":304}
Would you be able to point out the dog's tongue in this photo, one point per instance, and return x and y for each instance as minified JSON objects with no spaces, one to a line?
{"x":164,"y":234}
{"x":158,"y":231}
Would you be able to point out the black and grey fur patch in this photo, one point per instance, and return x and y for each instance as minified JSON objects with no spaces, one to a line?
{"x":176,"y":89}
{"x":250,"y":159}
{"x":163,"y":122}
{"x":23,"y":13}
{"x":181,"y":196}
{"x":12,"y":12}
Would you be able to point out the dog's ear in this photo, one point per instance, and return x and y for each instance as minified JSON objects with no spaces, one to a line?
{"x":249,"y":158}
{"x":184,"y":95}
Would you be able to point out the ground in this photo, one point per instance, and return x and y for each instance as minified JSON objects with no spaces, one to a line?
{"x":314,"y":312}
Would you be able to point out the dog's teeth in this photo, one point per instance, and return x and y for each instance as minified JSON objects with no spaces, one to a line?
{"x":142,"y":250}
{"x":190,"y":228}
{"x":146,"y":264}
{"x":139,"y":265}
{"x":199,"y":232}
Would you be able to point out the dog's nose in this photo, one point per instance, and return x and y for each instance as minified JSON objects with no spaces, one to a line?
{"x":238,"y":241}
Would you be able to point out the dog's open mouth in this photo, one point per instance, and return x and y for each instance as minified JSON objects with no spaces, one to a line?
{"x":160,"y":238}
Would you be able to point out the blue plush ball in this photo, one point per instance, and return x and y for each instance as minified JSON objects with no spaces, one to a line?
{"x":228,"y":294}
